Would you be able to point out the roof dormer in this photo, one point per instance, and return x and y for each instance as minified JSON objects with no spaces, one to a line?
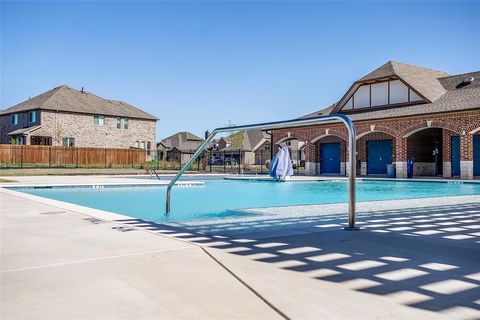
{"x":392,"y":85}
{"x":380,"y":94}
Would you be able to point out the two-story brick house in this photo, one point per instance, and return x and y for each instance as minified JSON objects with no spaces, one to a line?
{"x":400,"y":112}
{"x":67,"y":117}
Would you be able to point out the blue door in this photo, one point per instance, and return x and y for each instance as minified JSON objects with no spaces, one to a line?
{"x":476,"y":155}
{"x":455,"y":147}
{"x":330,"y":158}
{"x":379,"y":154}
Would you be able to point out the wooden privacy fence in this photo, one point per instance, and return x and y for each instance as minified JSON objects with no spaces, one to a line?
{"x":49,"y":156}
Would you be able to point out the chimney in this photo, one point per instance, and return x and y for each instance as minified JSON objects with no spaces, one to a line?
{"x":207,"y":133}
{"x":82,"y":91}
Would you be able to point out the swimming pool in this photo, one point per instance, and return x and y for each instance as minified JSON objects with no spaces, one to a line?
{"x":224,"y":198}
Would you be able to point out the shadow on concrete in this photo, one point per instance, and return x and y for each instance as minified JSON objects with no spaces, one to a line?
{"x":427,"y":258}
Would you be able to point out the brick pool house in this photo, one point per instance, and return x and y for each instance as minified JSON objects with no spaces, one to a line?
{"x":400,"y":112}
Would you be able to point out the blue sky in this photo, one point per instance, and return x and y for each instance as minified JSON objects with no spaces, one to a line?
{"x":199,"y":65}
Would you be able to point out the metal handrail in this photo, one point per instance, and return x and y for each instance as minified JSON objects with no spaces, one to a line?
{"x":288,"y":124}
{"x":154,"y":171}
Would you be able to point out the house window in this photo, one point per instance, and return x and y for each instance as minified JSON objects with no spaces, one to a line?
{"x":414,"y":96}
{"x":119,"y":123}
{"x":361,"y":98}
{"x":19,"y":140}
{"x":15,"y":119}
{"x":32,"y":116}
{"x":398,"y":92}
{"x":348,"y":105}
{"x":149,"y":145}
{"x":125,"y":123}
{"x":99,"y":120}
{"x":69,"y":142}
{"x":142,"y":144}
{"x":381,"y":94}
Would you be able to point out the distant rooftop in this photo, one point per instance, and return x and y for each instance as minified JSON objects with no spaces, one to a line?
{"x":67,"y":99}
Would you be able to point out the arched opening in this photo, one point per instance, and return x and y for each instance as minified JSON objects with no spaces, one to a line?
{"x":375,"y":151}
{"x":432,"y":150}
{"x":330,"y":155}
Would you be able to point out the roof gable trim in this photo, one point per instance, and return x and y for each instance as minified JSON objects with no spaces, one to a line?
{"x":357,"y":84}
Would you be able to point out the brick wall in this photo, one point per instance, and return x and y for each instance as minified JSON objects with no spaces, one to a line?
{"x":446,"y":147}
{"x":81,"y":127}
{"x":397,"y":128}
{"x":6,"y":125}
{"x":87,"y":134}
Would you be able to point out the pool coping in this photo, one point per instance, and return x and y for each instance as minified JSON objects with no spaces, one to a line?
{"x":95,"y":184}
{"x":252,"y":177}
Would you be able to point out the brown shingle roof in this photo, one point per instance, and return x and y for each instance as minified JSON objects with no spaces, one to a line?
{"x":322,"y":112}
{"x":23,"y":131}
{"x":245,"y":140}
{"x":454,"y":100}
{"x":457,"y":95}
{"x":67,"y":99}
{"x":424,"y":80}
{"x":182,"y":141}
{"x":458,"y":81}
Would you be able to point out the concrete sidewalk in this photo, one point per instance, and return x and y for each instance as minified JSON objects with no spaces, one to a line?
{"x":414,"y":259}
{"x":57,"y":264}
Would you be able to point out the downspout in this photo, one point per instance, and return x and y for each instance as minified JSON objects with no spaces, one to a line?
{"x":269,"y":132}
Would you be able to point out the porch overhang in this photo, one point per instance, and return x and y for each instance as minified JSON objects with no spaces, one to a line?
{"x":24,"y":131}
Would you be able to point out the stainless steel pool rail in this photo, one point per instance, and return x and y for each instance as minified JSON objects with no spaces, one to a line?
{"x":282,"y":125}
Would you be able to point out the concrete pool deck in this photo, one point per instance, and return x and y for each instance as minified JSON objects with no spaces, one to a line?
{"x":413,"y":259}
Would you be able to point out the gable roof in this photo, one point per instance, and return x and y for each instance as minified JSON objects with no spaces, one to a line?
{"x":67,"y":99}
{"x":246,"y":140}
{"x":182,"y":141}
{"x":321,"y":112}
{"x":422,"y":80}
{"x":457,"y":95}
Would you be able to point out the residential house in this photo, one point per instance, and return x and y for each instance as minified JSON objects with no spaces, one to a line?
{"x":178,"y":147}
{"x":400,"y":112}
{"x":247,"y":147}
{"x":67,"y":117}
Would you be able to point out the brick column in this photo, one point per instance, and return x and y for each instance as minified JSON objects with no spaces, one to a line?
{"x":401,"y":157}
{"x":362,"y":155}
{"x":310,"y":159}
{"x":466,"y":156}
{"x":447,"y":153}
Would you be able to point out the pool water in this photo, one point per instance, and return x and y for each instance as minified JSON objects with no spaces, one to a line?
{"x":221,"y":198}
